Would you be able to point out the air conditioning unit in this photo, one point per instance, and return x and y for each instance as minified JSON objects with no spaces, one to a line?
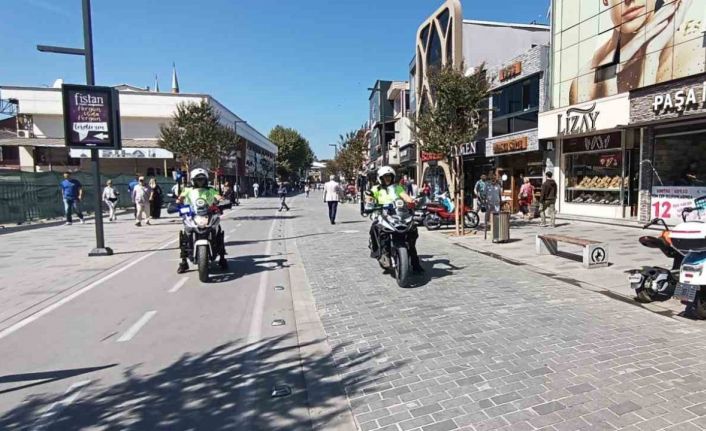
{"x":24,"y":134}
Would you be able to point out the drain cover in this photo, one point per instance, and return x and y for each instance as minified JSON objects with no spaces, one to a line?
{"x":278,"y":322}
{"x":281,"y":391}
{"x":279,"y":287}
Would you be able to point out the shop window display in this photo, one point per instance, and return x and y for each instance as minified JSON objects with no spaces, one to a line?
{"x":595,"y":178}
{"x":679,"y":159}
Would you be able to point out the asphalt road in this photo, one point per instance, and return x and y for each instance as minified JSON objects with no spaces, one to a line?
{"x":143,"y":347}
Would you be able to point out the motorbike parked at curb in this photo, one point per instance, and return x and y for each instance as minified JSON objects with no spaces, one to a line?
{"x":394,"y":222}
{"x":652,"y":283}
{"x":202,"y":239}
{"x":442,"y":213}
{"x":689,"y":238}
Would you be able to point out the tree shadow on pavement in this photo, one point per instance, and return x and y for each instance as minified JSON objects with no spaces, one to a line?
{"x":226,"y":388}
{"x":434,"y":270}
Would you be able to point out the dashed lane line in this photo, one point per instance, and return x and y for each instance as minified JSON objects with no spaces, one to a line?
{"x":135,"y":328}
{"x":179,"y":285}
{"x":26,"y":321}
{"x":52,"y":413}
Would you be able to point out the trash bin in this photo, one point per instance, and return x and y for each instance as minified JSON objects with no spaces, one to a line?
{"x":501,"y":226}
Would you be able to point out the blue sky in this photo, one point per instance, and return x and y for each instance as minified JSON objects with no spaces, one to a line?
{"x":305,"y":64}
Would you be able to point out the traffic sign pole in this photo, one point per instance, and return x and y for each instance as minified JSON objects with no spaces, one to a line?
{"x":101,"y":249}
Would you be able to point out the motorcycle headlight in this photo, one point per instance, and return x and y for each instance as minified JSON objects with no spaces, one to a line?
{"x":201,"y":221}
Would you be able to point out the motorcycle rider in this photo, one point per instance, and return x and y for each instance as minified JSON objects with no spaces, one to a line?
{"x":386,"y":193}
{"x":199,"y":190}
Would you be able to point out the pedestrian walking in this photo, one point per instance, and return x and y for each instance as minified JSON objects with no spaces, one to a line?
{"x":526,"y":198}
{"x":110,"y":197}
{"x":548,"y":201}
{"x":332,"y":195}
{"x":141,"y":198}
{"x":282,"y":193}
{"x":494,"y":194}
{"x":255,"y":189}
{"x":480,"y":192}
{"x":306,"y":190}
{"x":156,"y":199}
{"x":71,"y":193}
{"x":131,"y":186}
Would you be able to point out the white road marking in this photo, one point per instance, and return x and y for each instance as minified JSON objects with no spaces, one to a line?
{"x":71,"y":394}
{"x":255,"y":332}
{"x":179,"y":285}
{"x":135,"y":328}
{"x":26,"y":321}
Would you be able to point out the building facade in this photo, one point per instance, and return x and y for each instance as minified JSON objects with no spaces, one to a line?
{"x":39,"y":142}
{"x":626,"y":111}
{"x":445,"y":38}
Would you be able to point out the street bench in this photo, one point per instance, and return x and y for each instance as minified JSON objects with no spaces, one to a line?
{"x":595,"y":253}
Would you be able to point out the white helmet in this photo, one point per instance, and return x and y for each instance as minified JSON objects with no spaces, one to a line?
{"x":386,"y":170}
{"x":199,"y":172}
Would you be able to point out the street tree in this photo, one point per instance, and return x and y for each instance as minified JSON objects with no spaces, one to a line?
{"x":294,"y":153}
{"x":352,"y":153}
{"x":451,"y":120}
{"x":193,"y":134}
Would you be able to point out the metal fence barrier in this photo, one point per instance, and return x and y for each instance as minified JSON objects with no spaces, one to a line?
{"x":28,"y":196}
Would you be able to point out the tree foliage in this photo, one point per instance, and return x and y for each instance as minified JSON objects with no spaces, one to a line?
{"x":293,"y":152}
{"x":454,"y":116}
{"x":351,"y":154}
{"x":194,"y":134}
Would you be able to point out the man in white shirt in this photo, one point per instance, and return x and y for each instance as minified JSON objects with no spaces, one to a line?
{"x":332,"y":195}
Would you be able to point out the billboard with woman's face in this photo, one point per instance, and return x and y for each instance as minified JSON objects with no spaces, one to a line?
{"x":606,"y":47}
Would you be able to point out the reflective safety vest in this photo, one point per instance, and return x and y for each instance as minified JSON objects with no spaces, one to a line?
{"x":387,"y":196}
{"x":191,"y":195}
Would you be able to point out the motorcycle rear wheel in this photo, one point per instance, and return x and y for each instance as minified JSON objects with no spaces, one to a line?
{"x":203,"y":263}
{"x":700,"y":306}
{"x":432,"y":222}
{"x":402,"y":267}
{"x":643,"y":296}
{"x":471,"y":220}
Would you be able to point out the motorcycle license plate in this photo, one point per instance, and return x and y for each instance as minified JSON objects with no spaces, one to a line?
{"x":686,"y":292}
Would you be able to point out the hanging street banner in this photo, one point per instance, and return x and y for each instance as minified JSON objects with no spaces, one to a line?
{"x":91,"y":117}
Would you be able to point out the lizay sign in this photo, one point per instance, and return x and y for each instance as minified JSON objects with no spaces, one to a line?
{"x":576,"y":121}
{"x":91,"y":117}
{"x":680,"y":101}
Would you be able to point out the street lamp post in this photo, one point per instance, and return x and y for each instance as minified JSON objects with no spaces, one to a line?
{"x":335,"y":146}
{"x":87,"y":53}
{"x":237,"y":165}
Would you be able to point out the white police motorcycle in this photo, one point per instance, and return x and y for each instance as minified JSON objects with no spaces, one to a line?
{"x":689,"y":238}
{"x":202,"y":240}
{"x":393,"y":224}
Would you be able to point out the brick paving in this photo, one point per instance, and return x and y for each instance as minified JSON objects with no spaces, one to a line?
{"x":482,"y":345}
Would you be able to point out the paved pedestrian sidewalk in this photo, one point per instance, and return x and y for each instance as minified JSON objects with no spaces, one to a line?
{"x":625,"y":253}
{"x":41,"y":266}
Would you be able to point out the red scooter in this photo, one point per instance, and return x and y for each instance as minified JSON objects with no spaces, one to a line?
{"x":438,"y":215}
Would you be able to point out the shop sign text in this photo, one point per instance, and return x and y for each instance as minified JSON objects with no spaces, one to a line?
{"x":577,"y":121}
{"x":428,"y":157}
{"x":669,"y":202}
{"x":510,"y":71}
{"x":469,"y":149}
{"x":593,"y":143}
{"x":511,"y":145}
{"x":680,"y":101}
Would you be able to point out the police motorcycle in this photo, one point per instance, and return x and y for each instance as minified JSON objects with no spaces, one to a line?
{"x":652,"y":283}
{"x":393,"y":225}
{"x":202,"y":240}
{"x":689,"y":238}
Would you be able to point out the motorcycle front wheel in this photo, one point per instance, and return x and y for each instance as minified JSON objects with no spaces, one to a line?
{"x":432,"y":222}
{"x":471,"y":220}
{"x":402,"y":267}
{"x":203,"y":262}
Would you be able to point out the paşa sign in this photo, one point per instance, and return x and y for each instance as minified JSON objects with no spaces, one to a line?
{"x":91,"y":117}
{"x":680,"y":101}
{"x":577,"y":120}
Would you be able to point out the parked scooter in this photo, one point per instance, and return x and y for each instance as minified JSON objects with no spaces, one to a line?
{"x":689,"y":238}
{"x":652,"y":283}
{"x":394,"y":222}
{"x":443,"y":213}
